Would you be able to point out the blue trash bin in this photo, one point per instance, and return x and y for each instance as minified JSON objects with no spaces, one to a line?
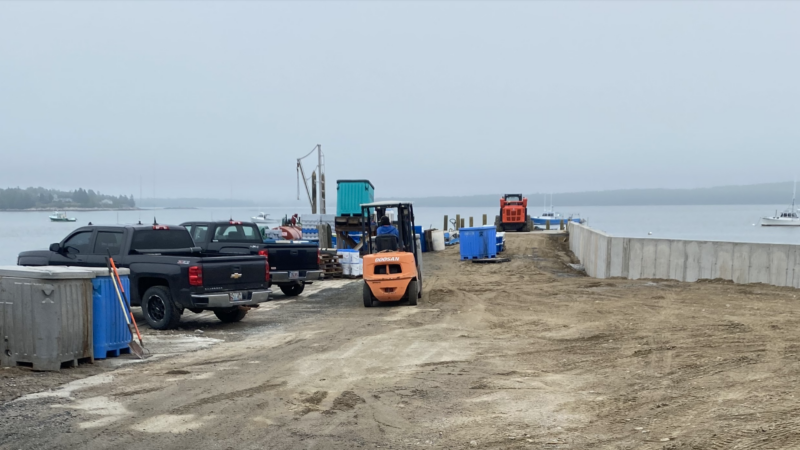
{"x":478,"y":242}
{"x":110,"y":330}
{"x":418,"y":230}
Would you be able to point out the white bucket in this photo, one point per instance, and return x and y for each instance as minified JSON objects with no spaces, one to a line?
{"x":347,"y":256}
{"x":437,"y":236}
{"x":357,"y":268}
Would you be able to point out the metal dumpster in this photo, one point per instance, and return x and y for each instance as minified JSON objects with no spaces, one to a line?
{"x":110,"y":333}
{"x":45,"y":316}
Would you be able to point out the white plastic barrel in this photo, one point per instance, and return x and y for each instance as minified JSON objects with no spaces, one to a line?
{"x":437,"y":236}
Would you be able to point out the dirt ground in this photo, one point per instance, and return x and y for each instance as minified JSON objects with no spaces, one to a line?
{"x":525,"y":354}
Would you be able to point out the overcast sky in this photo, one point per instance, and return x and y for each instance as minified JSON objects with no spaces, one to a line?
{"x":422,"y":98}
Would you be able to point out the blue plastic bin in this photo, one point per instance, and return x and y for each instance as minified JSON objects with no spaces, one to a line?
{"x":421,"y":234}
{"x":110,"y":330}
{"x":478,"y":242}
{"x":350,"y":194}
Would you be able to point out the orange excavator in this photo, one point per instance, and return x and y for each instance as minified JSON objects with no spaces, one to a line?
{"x":513,"y":214}
{"x":392,"y":264}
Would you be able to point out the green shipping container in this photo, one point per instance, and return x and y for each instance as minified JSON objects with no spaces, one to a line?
{"x":350,"y":194}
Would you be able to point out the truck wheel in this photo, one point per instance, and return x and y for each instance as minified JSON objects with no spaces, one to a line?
{"x":292,"y":290}
{"x":230,"y":315}
{"x":159,"y":310}
{"x":367,"y":296}
{"x":412,"y":292}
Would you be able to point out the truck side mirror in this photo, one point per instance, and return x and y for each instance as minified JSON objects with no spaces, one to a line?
{"x":55,"y":247}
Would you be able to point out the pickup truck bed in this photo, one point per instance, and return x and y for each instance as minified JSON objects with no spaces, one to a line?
{"x":292,"y":264}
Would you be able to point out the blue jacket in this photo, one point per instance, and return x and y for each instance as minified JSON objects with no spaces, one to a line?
{"x":388,"y":229}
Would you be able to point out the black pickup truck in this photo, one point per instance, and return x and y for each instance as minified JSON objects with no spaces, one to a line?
{"x":292,"y":264}
{"x":168,"y":272}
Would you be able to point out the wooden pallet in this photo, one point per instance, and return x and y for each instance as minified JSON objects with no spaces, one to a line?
{"x":490,"y":260}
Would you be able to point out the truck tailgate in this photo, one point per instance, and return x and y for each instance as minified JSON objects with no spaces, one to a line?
{"x":293,"y":257}
{"x":221,"y":273}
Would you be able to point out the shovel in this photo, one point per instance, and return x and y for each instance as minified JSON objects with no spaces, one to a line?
{"x":137,"y":348}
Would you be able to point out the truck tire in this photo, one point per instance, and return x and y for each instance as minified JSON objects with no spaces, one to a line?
{"x":412,"y":292}
{"x":367,"y":296}
{"x":230,"y":315}
{"x":293,"y":289}
{"x":159,"y":310}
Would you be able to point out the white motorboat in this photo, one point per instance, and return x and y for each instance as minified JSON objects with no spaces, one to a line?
{"x":554,"y":217}
{"x":61,"y":217}
{"x":788,"y":218}
{"x":262,"y":218}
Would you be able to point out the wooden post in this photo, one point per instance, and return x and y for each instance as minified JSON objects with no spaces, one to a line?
{"x":470,"y":222}
{"x":313,"y":192}
{"x":462,"y":223}
{"x":458,"y":221}
{"x":547,"y":225}
{"x":484,"y":219}
{"x":446,"y":224}
{"x":561,"y":225}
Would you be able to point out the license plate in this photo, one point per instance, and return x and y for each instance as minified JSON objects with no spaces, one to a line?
{"x":235,"y":296}
{"x":294,"y":275}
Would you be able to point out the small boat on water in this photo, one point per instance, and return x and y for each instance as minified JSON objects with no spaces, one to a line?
{"x":554,"y":217}
{"x":262,"y":218}
{"x":788,"y":218}
{"x":61,"y":217}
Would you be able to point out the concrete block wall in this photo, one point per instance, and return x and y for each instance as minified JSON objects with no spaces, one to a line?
{"x":606,"y":256}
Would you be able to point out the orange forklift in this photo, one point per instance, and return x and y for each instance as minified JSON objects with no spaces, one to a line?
{"x":513,"y":214}
{"x":392,"y":264}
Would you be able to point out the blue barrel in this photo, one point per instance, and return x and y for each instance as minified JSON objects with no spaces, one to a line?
{"x":421,"y":234}
{"x":110,"y":330}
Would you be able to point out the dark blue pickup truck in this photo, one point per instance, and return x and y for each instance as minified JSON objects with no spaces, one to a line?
{"x":169,"y":274}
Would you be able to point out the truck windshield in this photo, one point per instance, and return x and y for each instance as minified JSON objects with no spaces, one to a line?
{"x":237,"y":233}
{"x":161,"y":239}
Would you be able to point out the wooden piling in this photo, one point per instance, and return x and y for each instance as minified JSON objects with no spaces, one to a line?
{"x":547,"y":225}
{"x":484,"y":219}
{"x":470,"y":222}
{"x":446,"y":224}
{"x":462,"y":223}
{"x":458,"y":221}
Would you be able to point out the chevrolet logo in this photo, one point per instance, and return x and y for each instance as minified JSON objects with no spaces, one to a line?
{"x":236,"y":276}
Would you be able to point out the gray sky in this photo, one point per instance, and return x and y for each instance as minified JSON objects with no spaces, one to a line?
{"x":448,"y":98}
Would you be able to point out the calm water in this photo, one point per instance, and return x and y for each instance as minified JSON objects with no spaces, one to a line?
{"x":32,"y":230}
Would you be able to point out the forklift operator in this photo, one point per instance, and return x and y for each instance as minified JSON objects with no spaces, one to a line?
{"x":387,"y":228}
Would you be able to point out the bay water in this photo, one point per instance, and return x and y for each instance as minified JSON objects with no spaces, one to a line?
{"x":32,"y":230}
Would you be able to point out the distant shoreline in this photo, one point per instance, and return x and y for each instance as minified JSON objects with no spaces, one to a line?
{"x":93,"y":209}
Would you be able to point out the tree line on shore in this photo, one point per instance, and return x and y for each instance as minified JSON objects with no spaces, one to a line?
{"x":17,"y":198}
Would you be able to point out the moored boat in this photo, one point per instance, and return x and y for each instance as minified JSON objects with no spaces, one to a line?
{"x":59,"y":216}
{"x":788,"y":218}
{"x":262,"y":218}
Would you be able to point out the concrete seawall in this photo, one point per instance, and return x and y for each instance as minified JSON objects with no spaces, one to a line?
{"x":606,"y":256}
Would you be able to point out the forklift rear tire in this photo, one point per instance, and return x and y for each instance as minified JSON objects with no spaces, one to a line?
{"x":367,"y":296}
{"x":412,"y":292}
